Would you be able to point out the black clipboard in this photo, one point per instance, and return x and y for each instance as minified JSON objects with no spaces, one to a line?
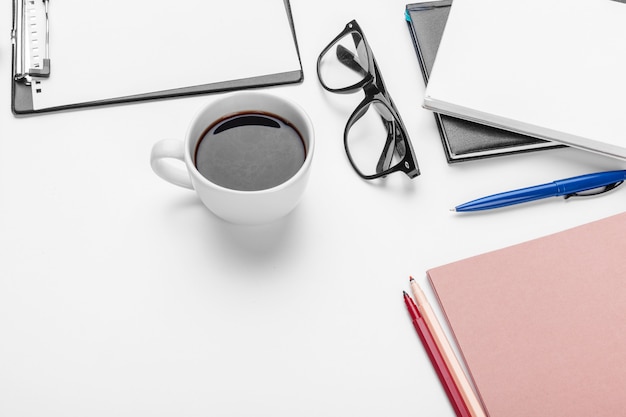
{"x":27,"y":78}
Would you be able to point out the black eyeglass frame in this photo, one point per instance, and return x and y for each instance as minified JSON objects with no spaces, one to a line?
{"x":375,"y":92}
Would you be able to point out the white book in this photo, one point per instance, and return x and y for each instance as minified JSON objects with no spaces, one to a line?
{"x":553,"y":69}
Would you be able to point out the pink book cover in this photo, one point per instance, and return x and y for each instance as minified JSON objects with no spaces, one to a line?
{"x":541,"y":325}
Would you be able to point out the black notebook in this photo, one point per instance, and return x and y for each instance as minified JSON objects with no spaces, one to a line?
{"x":462,"y":140}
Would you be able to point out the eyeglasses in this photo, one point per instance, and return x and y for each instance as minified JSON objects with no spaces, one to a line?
{"x":375,"y":150}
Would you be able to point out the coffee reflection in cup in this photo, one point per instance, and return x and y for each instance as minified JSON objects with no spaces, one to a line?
{"x":250,"y":151}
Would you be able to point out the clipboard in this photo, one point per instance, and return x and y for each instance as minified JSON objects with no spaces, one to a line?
{"x":65,"y":58}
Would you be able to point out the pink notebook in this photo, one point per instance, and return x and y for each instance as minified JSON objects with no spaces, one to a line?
{"x":542,"y":325}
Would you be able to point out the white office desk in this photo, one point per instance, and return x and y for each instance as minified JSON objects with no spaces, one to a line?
{"x":121,"y":295}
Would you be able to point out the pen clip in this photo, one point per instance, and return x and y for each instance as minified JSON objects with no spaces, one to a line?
{"x":595,"y":191}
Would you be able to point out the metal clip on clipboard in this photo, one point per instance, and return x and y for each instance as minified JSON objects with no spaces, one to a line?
{"x":30,"y":20}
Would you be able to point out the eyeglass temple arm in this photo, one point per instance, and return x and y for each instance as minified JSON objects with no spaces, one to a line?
{"x":393,"y":142}
{"x":386,"y":156}
{"x":350,"y":60}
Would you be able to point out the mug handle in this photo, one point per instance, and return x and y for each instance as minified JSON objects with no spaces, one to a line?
{"x":161,"y":161}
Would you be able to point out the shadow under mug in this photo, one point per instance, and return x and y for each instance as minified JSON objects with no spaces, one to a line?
{"x":236,"y":206}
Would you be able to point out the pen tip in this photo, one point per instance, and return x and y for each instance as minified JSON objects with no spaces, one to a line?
{"x":453,"y":209}
{"x":405,"y":294}
{"x":411,"y":278}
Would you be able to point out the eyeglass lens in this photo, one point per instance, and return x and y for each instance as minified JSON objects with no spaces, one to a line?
{"x":345,"y":63}
{"x":373,"y":140}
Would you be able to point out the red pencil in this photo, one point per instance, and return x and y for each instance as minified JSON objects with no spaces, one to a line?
{"x":445,"y":377}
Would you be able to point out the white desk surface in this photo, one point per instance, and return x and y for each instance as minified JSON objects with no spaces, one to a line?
{"x":122,"y":295}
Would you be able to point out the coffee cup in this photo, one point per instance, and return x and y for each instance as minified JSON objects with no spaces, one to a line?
{"x":247,"y":155}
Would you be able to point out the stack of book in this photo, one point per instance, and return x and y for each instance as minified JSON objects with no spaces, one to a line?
{"x":544,"y":69}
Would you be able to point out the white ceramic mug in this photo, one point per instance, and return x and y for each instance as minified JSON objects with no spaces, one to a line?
{"x":243,"y":207}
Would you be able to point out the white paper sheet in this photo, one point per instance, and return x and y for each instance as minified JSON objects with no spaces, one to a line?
{"x":121,"y":48}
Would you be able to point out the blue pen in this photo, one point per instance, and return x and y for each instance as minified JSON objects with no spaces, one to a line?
{"x":601,"y":182}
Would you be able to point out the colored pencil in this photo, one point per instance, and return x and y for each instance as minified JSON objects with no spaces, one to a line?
{"x":454,"y":395}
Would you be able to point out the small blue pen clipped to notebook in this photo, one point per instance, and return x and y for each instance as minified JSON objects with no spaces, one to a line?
{"x":583,"y":185}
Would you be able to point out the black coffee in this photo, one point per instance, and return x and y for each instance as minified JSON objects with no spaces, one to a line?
{"x":250,"y":152}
